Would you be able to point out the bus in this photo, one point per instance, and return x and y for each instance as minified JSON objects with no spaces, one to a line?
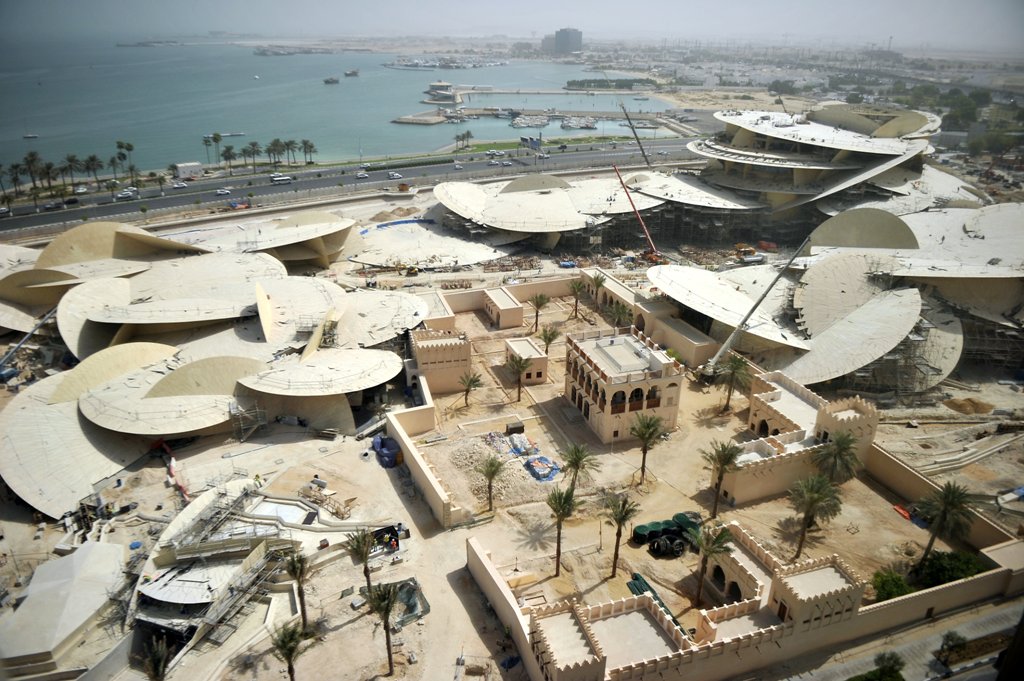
{"x":281,"y":179}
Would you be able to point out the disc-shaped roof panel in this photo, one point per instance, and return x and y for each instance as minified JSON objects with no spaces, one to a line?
{"x":863,"y":228}
{"x":329,"y":371}
{"x":799,"y":129}
{"x":106,"y":365}
{"x":173,"y":311}
{"x":707,"y":293}
{"x":373,"y":317}
{"x":942,"y":347}
{"x":207,"y":376}
{"x":836,"y":286}
{"x":94,"y":240}
{"x":689,"y":190}
{"x":50,"y":456}
{"x":293,"y":306}
{"x":16,"y":258}
{"x":35,"y":287}
{"x":227,"y":276}
{"x":426,"y":245}
{"x":83,"y":337}
{"x":859,"y":338}
{"x":259,"y":235}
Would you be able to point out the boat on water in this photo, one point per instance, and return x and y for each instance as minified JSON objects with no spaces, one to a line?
{"x":29,"y":136}
{"x":332,"y":80}
{"x":641,"y":99}
{"x":579,"y":123}
{"x":352,"y":73}
{"x":529,"y":121}
{"x":209,"y":136}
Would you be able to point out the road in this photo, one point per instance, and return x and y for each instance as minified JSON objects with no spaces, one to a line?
{"x":201,"y":193}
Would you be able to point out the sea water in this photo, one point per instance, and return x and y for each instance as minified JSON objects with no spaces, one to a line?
{"x":81,"y":98}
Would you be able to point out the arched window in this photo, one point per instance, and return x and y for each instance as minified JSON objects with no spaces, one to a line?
{"x":637,"y":394}
{"x":718,"y":577}
{"x":640,"y":322}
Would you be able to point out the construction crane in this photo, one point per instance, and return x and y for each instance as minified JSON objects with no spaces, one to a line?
{"x":652,"y":254}
{"x":629,"y":121}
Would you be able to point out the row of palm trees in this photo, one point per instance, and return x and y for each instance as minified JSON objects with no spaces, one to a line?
{"x":276,"y":150}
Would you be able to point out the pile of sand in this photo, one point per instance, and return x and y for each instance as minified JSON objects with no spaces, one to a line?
{"x":969,"y":405}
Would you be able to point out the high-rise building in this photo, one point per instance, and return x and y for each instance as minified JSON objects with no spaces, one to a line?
{"x":568,"y":40}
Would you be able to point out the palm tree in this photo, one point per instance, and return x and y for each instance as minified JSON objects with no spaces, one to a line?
{"x":161,"y":180}
{"x":619,"y":509}
{"x":300,"y":569}
{"x":490,"y":468}
{"x":722,"y":457}
{"x":8,"y":200}
{"x":112,"y":164}
{"x":133,"y":175}
{"x":31,"y":163}
{"x":308,"y":149}
{"x":599,"y":282}
{"x":817,"y":499}
{"x":70,"y":165}
{"x":229,"y":155}
{"x":274,"y":150}
{"x":576,"y":288}
{"x":254,"y":150}
{"x":710,"y":542}
{"x":733,"y":371}
{"x":579,"y":459}
{"x":360,"y":545}
{"x":14,"y":172}
{"x":562,"y":504}
{"x":948,"y":514}
{"x":49,"y":172}
{"x":290,"y":147}
{"x":33,"y":193}
{"x":548,"y":335}
{"x":382,"y":599}
{"x":216,"y":138}
{"x":620,"y":313}
{"x":128,"y":149}
{"x":518,"y":366}
{"x":287,"y":642}
{"x":470,"y":381}
{"x":539,"y":301}
{"x":647,"y":429}
{"x":156,"y":659}
{"x":837,"y":460}
{"x":93,"y":164}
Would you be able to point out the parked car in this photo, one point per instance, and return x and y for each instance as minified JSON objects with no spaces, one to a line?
{"x":223,"y":192}
{"x":362,"y":176}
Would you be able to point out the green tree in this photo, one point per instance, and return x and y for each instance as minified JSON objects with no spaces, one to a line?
{"x":207,"y":142}
{"x":32,"y":163}
{"x":300,"y":569}
{"x":620,"y":313}
{"x":308,"y":149}
{"x":490,"y":468}
{"x":889,"y":665}
{"x":815,"y":498}
{"x":290,"y":147}
{"x":599,"y":281}
{"x":287,"y":643}
{"x":837,"y":460}
{"x":216,"y":138}
{"x":722,"y":458}
{"x":647,"y":429}
{"x":710,"y":542}
{"x":161,"y":180}
{"x":14,"y":172}
{"x":254,"y":151}
{"x":382,"y":600}
{"x":156,"y":658}
{"x":619,"y":509}
{"x":548,"y":335}
{"x":93,"y":164}
{"x":563,"y":504}
{"x":539,"y":302}
{"x":470,"y":381}
{"x":229,"y":155}
{"x":889,"y":584}
{"x":517,"y":366}
{"x":113,"y":164}
{"x":734,"y":371}
{"x":359,"y":545}
{"x":948,"y":515}
{"x":70,"y":165}
{"x":943,"y":567}
{"x":577,"y":460}
{"x":576,"y":288}
{"x":953,"y":642}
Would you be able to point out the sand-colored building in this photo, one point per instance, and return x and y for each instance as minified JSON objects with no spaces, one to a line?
{"x":613,"y":376}
{"x":527,"y":348}
{"x":442,"y":357}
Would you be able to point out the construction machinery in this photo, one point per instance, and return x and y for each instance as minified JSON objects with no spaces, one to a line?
{"x":652,"y":254}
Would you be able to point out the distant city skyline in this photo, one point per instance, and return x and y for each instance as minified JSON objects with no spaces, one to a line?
{"x":990,"y":25}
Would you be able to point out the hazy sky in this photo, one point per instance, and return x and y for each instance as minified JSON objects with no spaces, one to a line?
{"x":956,"y":24}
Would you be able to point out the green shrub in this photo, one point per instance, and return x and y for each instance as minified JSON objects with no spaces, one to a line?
{"x":889,"y":584}
{"x":942,"y":567}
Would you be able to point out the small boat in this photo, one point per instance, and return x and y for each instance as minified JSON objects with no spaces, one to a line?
{"x":331,"y":81}
{"x":255,"y":77}
{"x":29,"y":136}
{"x":353,"y":72}
{"x":641,"y":99}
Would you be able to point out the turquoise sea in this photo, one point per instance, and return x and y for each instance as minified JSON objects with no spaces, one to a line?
{"x":82,"y":98}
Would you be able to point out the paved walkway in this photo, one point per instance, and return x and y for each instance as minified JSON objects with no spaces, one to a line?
{"x":914,"y":645}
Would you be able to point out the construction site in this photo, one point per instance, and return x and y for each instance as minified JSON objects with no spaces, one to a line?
{"x":190,"y":404}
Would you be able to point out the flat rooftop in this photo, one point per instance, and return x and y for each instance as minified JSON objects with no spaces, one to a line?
{"x":631,"y":637}
{"x":502,"y":298}
{"x":623,"y":354}
{"x":569,"y":644}
{"x":746,"y":624}
{"x":525,"y":347}
{"x":814,"y":583}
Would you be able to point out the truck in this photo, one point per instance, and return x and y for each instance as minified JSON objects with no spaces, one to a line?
{"x":191,"y":170}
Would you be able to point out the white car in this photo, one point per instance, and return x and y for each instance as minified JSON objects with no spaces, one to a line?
{"x":543,"y":155}
{"x":494,"y":162}
{"x":362,"y":176}
{"x":222,"y":192}
{"x":458,"y":167}
{"x":394,"y":176}
{"x":131,"y":189}
{"x":273,"y":175}
{"x":662,"y":153}
{"x":81,"y":189}
{"x":179,"y":185}
{"x":506,"y":163}
{"x":499,"y":153}
{"x":364,"y":166}
{"x":4,"y":210}
{"x":124,"y":196}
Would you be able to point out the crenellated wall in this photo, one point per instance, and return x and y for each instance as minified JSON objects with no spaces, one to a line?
{"x":853,"y":415}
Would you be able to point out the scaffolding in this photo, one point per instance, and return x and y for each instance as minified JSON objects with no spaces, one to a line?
{"x":329,"y":339}
{"x":247,"y":421}
{"x":210,"y":519}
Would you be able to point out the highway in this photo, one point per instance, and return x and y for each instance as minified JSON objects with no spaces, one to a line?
{"x":201,"y":194}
